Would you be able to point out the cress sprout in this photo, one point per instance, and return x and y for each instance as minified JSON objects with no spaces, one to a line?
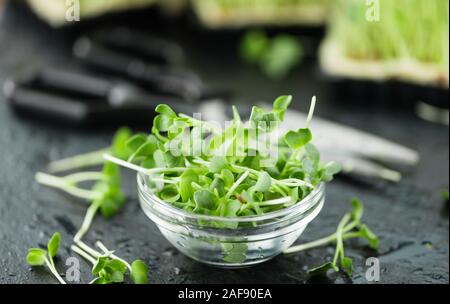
{"x":350,"y":226}
{"x":41,"y":257}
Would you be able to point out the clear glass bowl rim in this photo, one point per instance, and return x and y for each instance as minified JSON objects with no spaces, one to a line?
{"x":149,"y":195}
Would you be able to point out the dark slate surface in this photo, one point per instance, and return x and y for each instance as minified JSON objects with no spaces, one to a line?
{"x":410,"y":218}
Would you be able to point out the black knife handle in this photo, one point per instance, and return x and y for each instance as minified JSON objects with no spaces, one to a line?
{"x":74,"y":81}
{"x":141,"y":44}
{"x":158,"y":78}
{"x":44,"y":105}
{"x":125,"y":96}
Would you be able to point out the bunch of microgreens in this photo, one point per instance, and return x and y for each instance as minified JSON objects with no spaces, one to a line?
{"x":349,"y":227}
{"x":262,"y":12}
{"x":246,"y":181}
{"x":264,"y":4}
{"x":275,"y":56}
{"x":407,"y":29}
{"x":106,"y":197}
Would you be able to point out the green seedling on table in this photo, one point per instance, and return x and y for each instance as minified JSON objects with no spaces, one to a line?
{"x":248,"y":180}
{"x":107,"y":268}
{"x":105,"y":195}
{"x":41,"y":257}
{"x":118,"y":148}
{"x":349,"y":227}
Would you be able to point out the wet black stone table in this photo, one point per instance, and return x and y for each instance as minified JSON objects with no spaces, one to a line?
{"x":410,"y":217}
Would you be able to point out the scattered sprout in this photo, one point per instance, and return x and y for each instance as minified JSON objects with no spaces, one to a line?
{"x":349,"y":227}
{"x":41,"y":257}
{"x":107,"y":268}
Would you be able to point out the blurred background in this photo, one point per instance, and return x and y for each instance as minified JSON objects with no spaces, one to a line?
{"x":71,"y":72}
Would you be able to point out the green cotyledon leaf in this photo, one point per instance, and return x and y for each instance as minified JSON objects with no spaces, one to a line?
{"x":297,"y":139}
{"x":323,"y":269}
{"x":369,"y":235}
{"x":99,"y":265}
{"x":329,"y":170}
{"x":187,"y":178}
{"x":234,"y":253}
{"x":119,"y":144}
{"x":263,"y":183}
{"x":280,"y":106}
{"x":36,"y":257}
{"x":357,"y":210}
{"x":169,"y":194}
{"x":205,"y":199}
{"x":139,"y":272}
{"x":53,"y":244}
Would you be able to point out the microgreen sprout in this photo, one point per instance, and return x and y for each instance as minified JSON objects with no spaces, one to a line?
{"x":105,"y":195}
{"x":275,"y":56}
{"x":41,"y":257}
{"x":350,"y":226}
{"x":118,"y":148}
{"x":233,"y":166}
{"x":107,"y":268}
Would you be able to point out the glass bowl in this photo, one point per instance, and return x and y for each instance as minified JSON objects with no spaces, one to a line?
{"x":230,"y":242}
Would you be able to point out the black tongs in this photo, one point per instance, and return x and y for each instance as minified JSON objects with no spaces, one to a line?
{"x":80,"y":98}
{"x":140,"y":58}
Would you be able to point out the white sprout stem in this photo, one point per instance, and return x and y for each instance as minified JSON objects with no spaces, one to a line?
{"x":102,"y":247}
{"x":292,"y":182}
{"x":321,"y":242}
{"x":124,"y":163}
{"x":79,"y":161}
{"x":311,"y":111}
{"x":141,"y":169}
{"x":278,"y":201}
{"x":54,"y":271}
{"x":62,"y":184}
{"x":94,"y":253}
{"x":51,"y":260}
{"x":339,"y":239}
{"x":236,"y":184}
{"x":279,"y":189}
{"x":83,"y":254}
{"x":88,"y":218}
{"x":166,"y":181}
{"x":201,"y":161}
{"x":83,"y":177}
{"x":296,"y":184}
